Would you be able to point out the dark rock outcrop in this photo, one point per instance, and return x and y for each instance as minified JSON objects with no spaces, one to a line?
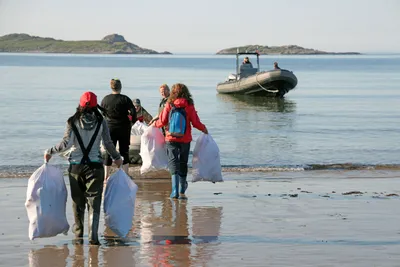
{"x":114,"y":38}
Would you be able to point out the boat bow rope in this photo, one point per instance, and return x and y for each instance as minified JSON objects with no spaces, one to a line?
{"x":268,"y":90}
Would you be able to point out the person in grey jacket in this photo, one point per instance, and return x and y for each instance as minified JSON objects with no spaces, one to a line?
{"x":83,"y":134}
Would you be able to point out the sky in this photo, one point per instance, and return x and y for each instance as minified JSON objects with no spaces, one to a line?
{"x":206,"y":26}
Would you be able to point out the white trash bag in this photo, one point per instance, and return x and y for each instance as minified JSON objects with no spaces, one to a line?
{"x":206,"y":164}
{"x":152,"y":151}
{"x":119,"y":203}
{"x":46,"y":200}
{"x":138,"y":128}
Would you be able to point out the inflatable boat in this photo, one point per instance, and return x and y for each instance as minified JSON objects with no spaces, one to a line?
{"x":134,"y":150}
{"x":250,"y":81}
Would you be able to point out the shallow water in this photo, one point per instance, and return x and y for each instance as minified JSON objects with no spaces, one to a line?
{"x":344,"y":110}
{"x":246,"y":222}
{"x":286,"y":163}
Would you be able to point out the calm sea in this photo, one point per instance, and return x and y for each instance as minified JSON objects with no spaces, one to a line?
{"x":344,"y":113}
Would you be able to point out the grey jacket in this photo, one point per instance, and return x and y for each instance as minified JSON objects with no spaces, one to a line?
{"x":86,"y":127}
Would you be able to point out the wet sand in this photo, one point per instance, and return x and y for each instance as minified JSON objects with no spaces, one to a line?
{"x":327,"y":218}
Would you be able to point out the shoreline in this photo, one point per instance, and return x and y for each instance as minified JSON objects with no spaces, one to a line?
{"x":245,"y":173}
{"x":285,"y":222}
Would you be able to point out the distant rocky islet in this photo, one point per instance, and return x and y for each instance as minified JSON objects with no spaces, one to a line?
{"x":116,"y":44}
{"x":110,"y":44}
{"x":280,"y":50}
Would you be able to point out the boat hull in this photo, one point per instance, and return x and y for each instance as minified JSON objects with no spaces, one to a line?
{"x":134,"y":150}
{"x":135,"y":162}
{"x":274,"y":83}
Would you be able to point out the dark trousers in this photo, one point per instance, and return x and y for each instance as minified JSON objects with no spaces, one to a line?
{"x":122,"y":135}
{"x":86,"y":183}
{"x":178,"y":156}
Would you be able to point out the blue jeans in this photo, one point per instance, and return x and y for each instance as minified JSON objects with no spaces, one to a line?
{"x":178,"y":156}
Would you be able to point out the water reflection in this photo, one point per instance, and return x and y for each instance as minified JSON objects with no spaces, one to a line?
{"x":120,"y":256}
{"x":257,"y":131}
{"x":270,"y":104}
{"x":206,"y":226}
{"x":82,"y":256}
{"x":166,"y":233}
{"x":51,"y":256}
{"x":79,"y":258}
{"x":206,"y":223}
{"x":165,"y":229}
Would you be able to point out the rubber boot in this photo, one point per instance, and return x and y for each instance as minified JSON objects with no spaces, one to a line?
{"x":93,"y":227}
{"x":184,"y":185}
{"x":79,"y":216}
{"x":175,"y":186}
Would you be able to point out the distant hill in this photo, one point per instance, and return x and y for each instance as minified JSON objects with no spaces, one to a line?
{"x":280,"y":50}
{"x":111,"y":44}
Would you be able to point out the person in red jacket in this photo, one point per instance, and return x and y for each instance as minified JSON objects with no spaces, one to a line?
{"x":178,"y":147}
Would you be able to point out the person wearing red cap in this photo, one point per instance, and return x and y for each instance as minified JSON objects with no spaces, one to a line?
{"x":84,"y":132}
{"x":117,"y":107}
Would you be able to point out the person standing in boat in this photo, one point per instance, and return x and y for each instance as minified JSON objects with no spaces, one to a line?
{"x":178,"y":147}
{"x":119,"y":113}
{"x":141,"y":114}
{"x":276,"y":67}
{"x":164,"y":92}
{"x":246,"y":61}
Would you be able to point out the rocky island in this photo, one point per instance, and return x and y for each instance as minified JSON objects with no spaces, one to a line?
{"x":280,"y":50}
{"x":111,"y":44}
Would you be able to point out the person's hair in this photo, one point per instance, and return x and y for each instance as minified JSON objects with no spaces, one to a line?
{"x":180,"y":90}
{"x":116,"y":85}
{"x":275,"y":63}
{"x":165,"y":86}
{"x":82,"y":110}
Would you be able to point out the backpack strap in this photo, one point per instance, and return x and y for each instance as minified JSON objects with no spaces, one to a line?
{"x":170,"y":112}
{"x":85,"y":159}
{"x":180,"y":110}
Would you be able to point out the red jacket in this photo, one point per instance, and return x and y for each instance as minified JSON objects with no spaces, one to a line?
{"x":191,"y":119}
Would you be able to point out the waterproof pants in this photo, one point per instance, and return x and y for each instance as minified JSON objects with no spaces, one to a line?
{"x":86,"y":181}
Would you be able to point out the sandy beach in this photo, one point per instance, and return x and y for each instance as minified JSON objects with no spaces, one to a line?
{"x":316,"y":218}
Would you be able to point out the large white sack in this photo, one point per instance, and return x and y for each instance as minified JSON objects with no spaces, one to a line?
{"x":138,"y":128}
{"x":206,"y":164}
{"x":119,"y":203}
{"x":152,"y":151}
{"x":46,"y":199}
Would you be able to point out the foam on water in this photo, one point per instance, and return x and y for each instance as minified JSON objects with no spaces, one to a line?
{"x":23,"y":171}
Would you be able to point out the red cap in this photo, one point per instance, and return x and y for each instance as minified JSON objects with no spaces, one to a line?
{"x":88,"y":99}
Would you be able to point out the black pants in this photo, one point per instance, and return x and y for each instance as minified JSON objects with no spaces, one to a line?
{"x":86,"y":183}
{"x":122,"y":135}
{"x":178,"y":156}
